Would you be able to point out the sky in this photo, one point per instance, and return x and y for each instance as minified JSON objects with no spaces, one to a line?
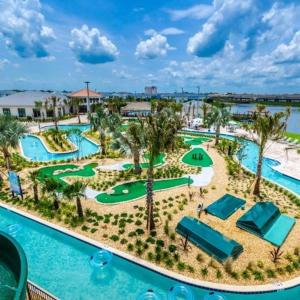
{"x":124,"y":45}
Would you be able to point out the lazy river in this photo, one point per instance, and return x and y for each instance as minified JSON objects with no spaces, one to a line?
{"x":34,"y":149}
{"x":60,"y":263}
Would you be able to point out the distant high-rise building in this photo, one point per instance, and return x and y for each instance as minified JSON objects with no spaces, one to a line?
{"x":151,"y":90}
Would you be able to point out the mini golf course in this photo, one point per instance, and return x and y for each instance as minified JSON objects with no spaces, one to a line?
{"x":159,"y":160}
{"x":137,"y":189}
{"x":66,"y":170}
{"x":197,"y":157}
{"x":194,"y":141}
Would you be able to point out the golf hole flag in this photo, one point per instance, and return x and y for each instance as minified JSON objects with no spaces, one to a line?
{"x":15,"y":184}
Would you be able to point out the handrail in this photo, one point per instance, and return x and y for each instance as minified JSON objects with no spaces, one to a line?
{"x":34,"y":292}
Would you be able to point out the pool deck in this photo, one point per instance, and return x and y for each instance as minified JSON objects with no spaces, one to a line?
{"x":272,"y":287}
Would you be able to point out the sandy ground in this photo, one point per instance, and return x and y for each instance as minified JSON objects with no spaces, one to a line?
{"x":255,"y":249}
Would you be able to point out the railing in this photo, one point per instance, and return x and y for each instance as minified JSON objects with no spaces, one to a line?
{"x":35,"y":292}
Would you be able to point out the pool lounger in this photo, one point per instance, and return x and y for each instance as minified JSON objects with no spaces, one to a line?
{"x":224,"y":207}
{"x":208,"y":239}
{"x":265,"y":220}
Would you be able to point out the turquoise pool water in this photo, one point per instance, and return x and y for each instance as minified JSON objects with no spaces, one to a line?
{"x":8,"y":282}
{"x":61,"y":264}
{"x":249,"y":157}
{"x":35,"y":150}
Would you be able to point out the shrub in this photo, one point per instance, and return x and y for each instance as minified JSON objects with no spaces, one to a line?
{"x":228,"y":266}
{"x":150,"y":256}
{"x":114,"y":237}
{"x":199,"y":257}
{"x":181,"y":266}
{"x":138,"y":222}
{"x":160,"y":243}
{"x":172,"y":248}
{"x":258,"y":275}
{"x":130,"y":247}
{"x":219,"y":274}
{"x":271,"y":273}
{"x":246,"y":274}
{"x":139,"y":231}
{"x":123,"y":241}
{"x":204,"y":272}
{"x":150,"y":240}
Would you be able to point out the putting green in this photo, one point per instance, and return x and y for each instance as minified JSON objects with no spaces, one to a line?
{"x":48,"y":172}
{"x":191,"y":140}
{"x":159,"y":160}
{"x":137,"y":189}
{"x":197,"y":157}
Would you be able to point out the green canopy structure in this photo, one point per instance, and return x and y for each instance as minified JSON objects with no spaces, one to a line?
{"x":208,"y":239}
{"x":265,"y":220}
{"x":224,"y":207}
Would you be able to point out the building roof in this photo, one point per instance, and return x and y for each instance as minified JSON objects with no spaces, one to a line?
{"x":83,"y":93}
{"x":28,"y":98}
{"x":137,"y":106}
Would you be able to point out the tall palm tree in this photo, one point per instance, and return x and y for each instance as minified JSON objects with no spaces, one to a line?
{"x":131,"y":142}
{"x":10,"y":132}
{"x":53,"y":102}
{"x":33,"y":177}
{"x":218,"y":116}
{"x":75,"y":103}
{"x":159,"y":136}
{"x":267,"y":127}
{"x":76,"y":190}
{"x":205,"y":110}
{"x":38,"y":105}
{"x":52,"y":186}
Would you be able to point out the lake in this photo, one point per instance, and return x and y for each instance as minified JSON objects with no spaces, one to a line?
{"x":294,"y":119}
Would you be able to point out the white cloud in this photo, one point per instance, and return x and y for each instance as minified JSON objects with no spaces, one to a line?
{"x":288,"y":53}
{"x":3,"y":63}
{"x":156,"y":46}
{"x":90,"y":46}
{"x":23,"y":28}
{"x":200,"y":11}
{"x":121,"y":74}
{"x":171,"y":31}
{"x":229,"y":16}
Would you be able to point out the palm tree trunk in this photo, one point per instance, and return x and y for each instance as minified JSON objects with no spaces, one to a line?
{"x":55,"y":203}
{"x":136,"y":162}
{"x":35,"y":193}
{"x":218,"y":129}
{"x":78,"y":116}
{"x":79,"y":207}
{"x":150,"y":220}
{"x":103,"y":146}
{"x":256,"y":190}
{"x":7,"y":158}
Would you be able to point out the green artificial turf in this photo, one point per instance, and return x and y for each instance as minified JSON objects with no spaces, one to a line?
{"x":293,"y":135}
{"x":48,"y":172}
{"x":159,"y":160}
{"x":190,"y":140}
{"x":137,"y":189}
{"x":188,"y":159}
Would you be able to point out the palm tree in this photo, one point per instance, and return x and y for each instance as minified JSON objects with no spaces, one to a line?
{"x":52,"y":186}
{"x":33,"y":176}
{"x":75,"y":103}
{"x":53,"y":101}
{"x":159,"y":136}
{"x":267,"y":127}
{"x":205,"y":110}
{"x":131,"y":142}
{"x":76,"y":190}
{"x":10,"y":132}
{"x":38,"y":105}
{"x":218,"y":116}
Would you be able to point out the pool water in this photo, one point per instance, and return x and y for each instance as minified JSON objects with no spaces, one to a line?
{"x":61,"y":264}
{"x":34,"y":149}
{"x":8,"y":282}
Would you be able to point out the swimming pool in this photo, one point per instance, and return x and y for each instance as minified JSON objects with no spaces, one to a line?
{"x":60,"y":263}
{"x":249,"y":157}
{"x":34,"y":149}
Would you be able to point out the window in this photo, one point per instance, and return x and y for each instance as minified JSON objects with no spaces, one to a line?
{"x":21,"y":112}
{"x":36,"y":112}
{"x":6,"y":111}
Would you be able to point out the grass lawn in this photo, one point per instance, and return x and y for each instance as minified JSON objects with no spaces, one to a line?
{"x":136,"y":189}
{"x":189,"y":158}
{"x":159,"y":160}
{"x":293,"y":135}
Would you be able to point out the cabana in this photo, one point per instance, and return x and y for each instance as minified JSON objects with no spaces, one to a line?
{"x":208,"y":239}
{"x":224,"y":207}
{"x":265,"y":220}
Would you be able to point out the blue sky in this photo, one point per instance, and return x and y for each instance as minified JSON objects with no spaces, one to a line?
{"x":219,"y":45}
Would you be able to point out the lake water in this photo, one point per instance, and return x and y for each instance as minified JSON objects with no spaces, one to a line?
{"x":294,"y":119}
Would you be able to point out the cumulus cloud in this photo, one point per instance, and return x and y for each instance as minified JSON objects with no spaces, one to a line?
{"x":156,"y":46}
{"x":228,"y":17}
{"x":121,"y":74}
{"x":200,"y":11}
{"x":3,"y":62}
{"x":90,"y":46}
{"x":288,"y":53}
{"x":22,"y":26}
{"x":171,"y":31}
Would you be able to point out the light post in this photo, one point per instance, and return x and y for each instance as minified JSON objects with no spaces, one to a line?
{"x":198,"y":113}
{"x":88,"y":96}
